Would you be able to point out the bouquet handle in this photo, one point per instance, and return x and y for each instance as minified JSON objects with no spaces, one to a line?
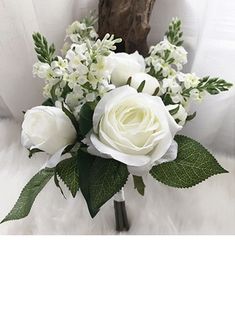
{"x":121,"y":219}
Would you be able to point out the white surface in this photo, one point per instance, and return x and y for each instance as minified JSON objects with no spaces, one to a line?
{"x":208,"y":208}
{"x":77,"y":276}
{"x":210,"y":38}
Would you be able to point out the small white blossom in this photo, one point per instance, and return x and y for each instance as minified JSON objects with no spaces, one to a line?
{"x":46,"y":90}
{"x":41,"y":69}
{"x":58,"y":104}
{"x":90,"y":97}
{"x":72,"y":100}
{"x":93,"y":34}
{"x":65,"y":48}
{"x":82,"y":80}
{"x":78,"y":91}
{"x":84,"y":74}
{"x":177,"y":98}
{"x":82,"y":69}
{"x":80,"y":31}
{"x":191,"y":80}
{"x":196,"y":94}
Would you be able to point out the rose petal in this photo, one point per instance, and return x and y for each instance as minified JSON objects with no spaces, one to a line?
{"x":119,"y":156}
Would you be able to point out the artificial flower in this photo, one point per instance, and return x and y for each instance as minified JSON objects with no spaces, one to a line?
{"x":124,"y":66}
{"x":151,"y":84}
{"x":47,"y":128}
{"x":133,"y":128}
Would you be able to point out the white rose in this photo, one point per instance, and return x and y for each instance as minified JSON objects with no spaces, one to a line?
{"x":151,"y":83}
{"x":124,"y":66}
{"x":133,"y":128}
{"x":47,"y":128}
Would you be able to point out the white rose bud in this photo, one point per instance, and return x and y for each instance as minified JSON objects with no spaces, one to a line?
{"x":151,"y":83}
{"x":47,"y":128}
{"x":180,"y":115}
{"x":124,"y":66}
{"x":133,"y":128}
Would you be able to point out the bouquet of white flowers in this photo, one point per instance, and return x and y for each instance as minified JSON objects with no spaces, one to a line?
{"x":109,"y":115}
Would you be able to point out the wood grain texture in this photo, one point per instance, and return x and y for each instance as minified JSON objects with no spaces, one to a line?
{"x":128,"y":19}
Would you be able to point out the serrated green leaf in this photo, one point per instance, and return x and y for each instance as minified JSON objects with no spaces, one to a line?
{"x":68,"y":172}
{"x":107,"y":177}
{"x":193,"y":165}
{"x":139,"y":184}
{"x":85,"y":161}
{"x":28,"y":195}
{"x":85,"y":119}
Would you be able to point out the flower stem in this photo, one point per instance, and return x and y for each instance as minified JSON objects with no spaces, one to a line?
{"x":121,"y":218}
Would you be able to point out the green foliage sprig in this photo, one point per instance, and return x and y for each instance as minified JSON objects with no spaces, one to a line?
{"x":45,"y":53}
{"x":211,"y":85}
{"x":174,"y":33}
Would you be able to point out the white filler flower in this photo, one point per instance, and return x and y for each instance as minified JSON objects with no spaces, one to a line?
{"x":124,"y":66}
{"x":133,"y":128}
{"x":47,"y":128}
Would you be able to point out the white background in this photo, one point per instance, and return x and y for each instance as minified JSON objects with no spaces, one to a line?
{"x":113,"y":277}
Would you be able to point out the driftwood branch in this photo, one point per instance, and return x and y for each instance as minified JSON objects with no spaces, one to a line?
{"x":128,"y":19}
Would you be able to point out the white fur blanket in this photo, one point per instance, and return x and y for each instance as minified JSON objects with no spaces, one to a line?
{"x":206,"y":209}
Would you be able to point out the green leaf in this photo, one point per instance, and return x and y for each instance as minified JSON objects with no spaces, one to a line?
{"x":128,"y":81}
{"x":72,"y":118}
{"x":193,"y":165}
{"x":85,"y":161}
{"x":139,"y":184}
{"x":57,"y":183}
{"x":141,"y":87}
{"x":27,"y":197}
{"x":48,"y":102}
{"x":85,"y":120}
{"x":191,"y":117}
{"x":68,"y":172}
{"x":174,"y":111}
{"x":156,"y":91}
{"x":167,"y":99}
{"x":66,"y":90}
{"x":107,"y":177}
